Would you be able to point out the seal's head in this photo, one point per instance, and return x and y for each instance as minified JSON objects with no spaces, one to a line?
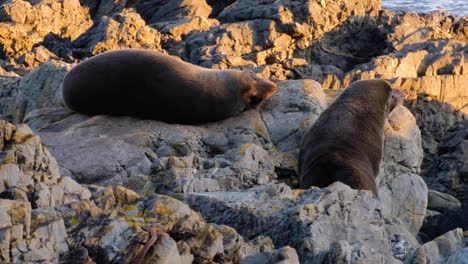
{"x":395,"y":98}
{"x":378,"y":93}
{"x":255,"y":89}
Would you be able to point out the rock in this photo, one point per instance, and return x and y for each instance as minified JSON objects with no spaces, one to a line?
{"x":161,"y":11}
{"x":27,"y":165}
{"x":440,"y":249}
{"x":401,"y":160}
{"x":405,"y":197}
{"x":176,"y":31}
{"x":320,"y":16}
{"x":236,"y":43}
{"x":448,"y":174}
{"x":122,"y":30}
{"x":258,"y":244}
{"x":283,"y":255}
{"x":15,"y":227}
{"x":402,"y":147}
{"x":101,"y":224}
{"x":23,"y":24}
{"x":29,"y":174}
{"x":459,"y":257}
{"x":298,"y":219}
{"x":118,"y":237}
{"x":35,"y":58}
{"x":440,"y":202}
{"x":39,"y":89}
{"x":46,"y":243}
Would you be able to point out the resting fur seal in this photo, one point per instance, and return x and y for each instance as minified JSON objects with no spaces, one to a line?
{"x":154,"y":85}
{"x":346,"y":142}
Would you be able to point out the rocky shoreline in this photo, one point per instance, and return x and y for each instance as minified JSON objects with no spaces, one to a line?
{"x":79,"y":189}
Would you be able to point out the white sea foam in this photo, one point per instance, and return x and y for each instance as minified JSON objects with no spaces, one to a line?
{"x":455,"y":7}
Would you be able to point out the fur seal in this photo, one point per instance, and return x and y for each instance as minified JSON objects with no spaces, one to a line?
{"x":153,"y":85}
{"x":346,"y":142}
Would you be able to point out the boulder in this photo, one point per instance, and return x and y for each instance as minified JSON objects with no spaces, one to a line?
{"x":325,"y":224}
{"x":440,"y":249}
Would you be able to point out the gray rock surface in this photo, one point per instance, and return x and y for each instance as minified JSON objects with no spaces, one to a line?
{"x":45,"y":218}
{"x":459,"y":257}
{"x":29,"y":180}
{"x":319,"y":223}
{"x":448,"y":174}
{"x":440,"y":202}
{"x":402,"y":192}
{"x":440,"y":249}
{"x":39,"y":89}
{"x":284,"y":255}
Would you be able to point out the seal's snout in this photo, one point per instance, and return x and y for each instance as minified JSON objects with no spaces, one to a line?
{"x":266,"y":87}
{"x":257,"y":90}
{"x":270,"y":89}
{"x":398,"y":95}
{"x":255,"y":100}
{"x":396,"y":98}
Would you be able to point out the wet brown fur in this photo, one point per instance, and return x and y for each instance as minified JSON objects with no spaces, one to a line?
{"x":153,"y":85}
{"x":346,"y":142}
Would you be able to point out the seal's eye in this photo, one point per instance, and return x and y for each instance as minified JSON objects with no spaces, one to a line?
{"x":255,"y":100}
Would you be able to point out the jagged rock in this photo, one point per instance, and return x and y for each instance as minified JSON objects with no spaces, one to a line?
{"x":258,"y":244}
{"x":285,"y":255}
{"x":319,"y":15}
{"x":432,"y":58}
{"x":121,"y":30}
{"x":177,"y":30}
{"x":409,"y":28}
{"x":96,"y":223}
{"x":402,"y":192}
{"x":8,"y":106}
{"x":35,"y":58}
{"x":165,"y":10}
{"x":29,"y":179}
{"x":124,"y":223}
{"x":459,"y":257}
{"x":440,"y":249}
{"x":39,"y":89}
{"x":448,"y":174}
{"x":440,"y":202}
{"x":25,"y":23}
{"x":311,"y":221}
{"x":257,"y":42}
{"x":15,"y":227}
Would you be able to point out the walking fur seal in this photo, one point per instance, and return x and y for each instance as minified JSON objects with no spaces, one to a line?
{"x":153,"y":85}
{"x":346,"y":142}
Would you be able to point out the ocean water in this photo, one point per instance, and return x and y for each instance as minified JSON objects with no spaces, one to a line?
{"x":454,"y":7}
